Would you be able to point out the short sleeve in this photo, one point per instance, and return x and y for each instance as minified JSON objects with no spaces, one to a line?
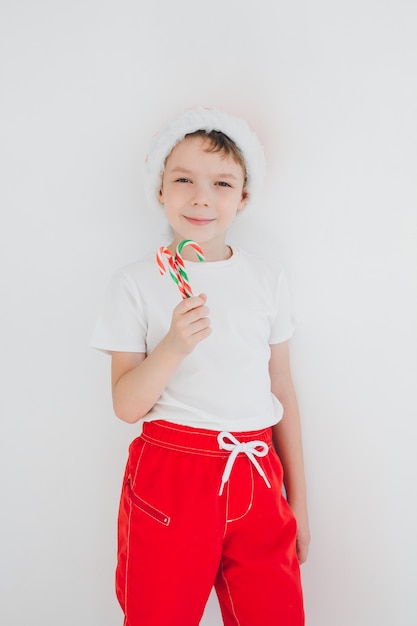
{"x":283,"y":326}
{"x":121,"y":325}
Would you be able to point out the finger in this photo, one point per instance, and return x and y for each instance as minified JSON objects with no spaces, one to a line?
{"x":198,"y":333}
{"x":190,"y":303}
{"x":302,"y":552}
{"x":198,"y":313}
{"x":198,"y":325}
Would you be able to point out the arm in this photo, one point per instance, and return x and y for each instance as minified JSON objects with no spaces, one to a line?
{"x":139,"y":379}
{"x":288,"y":444}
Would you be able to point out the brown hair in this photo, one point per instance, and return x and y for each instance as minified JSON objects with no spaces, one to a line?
{"x":219,"y":142}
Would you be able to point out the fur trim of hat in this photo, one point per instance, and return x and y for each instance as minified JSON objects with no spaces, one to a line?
{"x":205,"y":119}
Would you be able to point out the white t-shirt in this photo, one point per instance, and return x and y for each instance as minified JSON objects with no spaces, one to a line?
{"x":224,"y":383}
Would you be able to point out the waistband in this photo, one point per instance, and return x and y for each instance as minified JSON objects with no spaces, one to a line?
{"x":194,"y":440}
{"x":254,"y":443}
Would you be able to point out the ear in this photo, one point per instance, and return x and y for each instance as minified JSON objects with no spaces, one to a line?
{"x":161,"y":195}
{"x":243,"y":200}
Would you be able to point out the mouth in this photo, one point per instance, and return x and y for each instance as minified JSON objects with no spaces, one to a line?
{"x":195,"y":221}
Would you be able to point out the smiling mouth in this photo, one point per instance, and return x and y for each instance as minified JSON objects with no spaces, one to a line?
{"x":198,"y":221}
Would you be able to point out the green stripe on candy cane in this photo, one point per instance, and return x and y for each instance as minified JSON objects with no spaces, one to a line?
{"x":179,"y":262}
{"x":193,"y":245}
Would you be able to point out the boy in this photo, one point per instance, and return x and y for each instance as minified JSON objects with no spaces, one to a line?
{"x":202,"y":502}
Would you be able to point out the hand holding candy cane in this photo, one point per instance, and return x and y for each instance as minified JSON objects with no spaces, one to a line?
{"x":190,"y":325}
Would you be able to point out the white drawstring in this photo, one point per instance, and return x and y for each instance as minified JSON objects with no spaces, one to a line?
{"x":249,"y":448}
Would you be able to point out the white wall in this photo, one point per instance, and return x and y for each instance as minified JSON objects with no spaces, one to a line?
{"x":331,"y":89}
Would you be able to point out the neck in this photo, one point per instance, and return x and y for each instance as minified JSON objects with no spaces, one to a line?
{"x":211,"y":252}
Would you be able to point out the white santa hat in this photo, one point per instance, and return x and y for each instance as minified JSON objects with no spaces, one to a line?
{"x":205,"y":119}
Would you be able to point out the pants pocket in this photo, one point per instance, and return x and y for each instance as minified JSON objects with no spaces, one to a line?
{"x":145,"y":507}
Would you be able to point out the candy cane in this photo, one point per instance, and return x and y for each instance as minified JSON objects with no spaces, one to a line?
{"x":175,"y":271}
{"x":193,"y":245}
{"x":177,"y":266}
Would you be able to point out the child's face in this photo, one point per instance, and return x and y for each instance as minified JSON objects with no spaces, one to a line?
{"x":201,"y":193}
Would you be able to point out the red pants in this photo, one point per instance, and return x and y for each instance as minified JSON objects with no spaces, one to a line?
{"x":178,"y":537}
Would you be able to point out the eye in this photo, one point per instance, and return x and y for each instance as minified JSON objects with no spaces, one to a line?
{"x":223,"y":183}
{"x":182,"y":180}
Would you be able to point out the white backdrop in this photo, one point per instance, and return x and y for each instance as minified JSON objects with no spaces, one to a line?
{"x":330,"y":87}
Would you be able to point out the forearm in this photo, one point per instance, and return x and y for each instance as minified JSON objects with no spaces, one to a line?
{"x":288,"y":444}
{"x":139,"y":388}
{"x":287,"y":440}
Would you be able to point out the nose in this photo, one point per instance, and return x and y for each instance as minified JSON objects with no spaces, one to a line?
{"x":201,"y":196}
